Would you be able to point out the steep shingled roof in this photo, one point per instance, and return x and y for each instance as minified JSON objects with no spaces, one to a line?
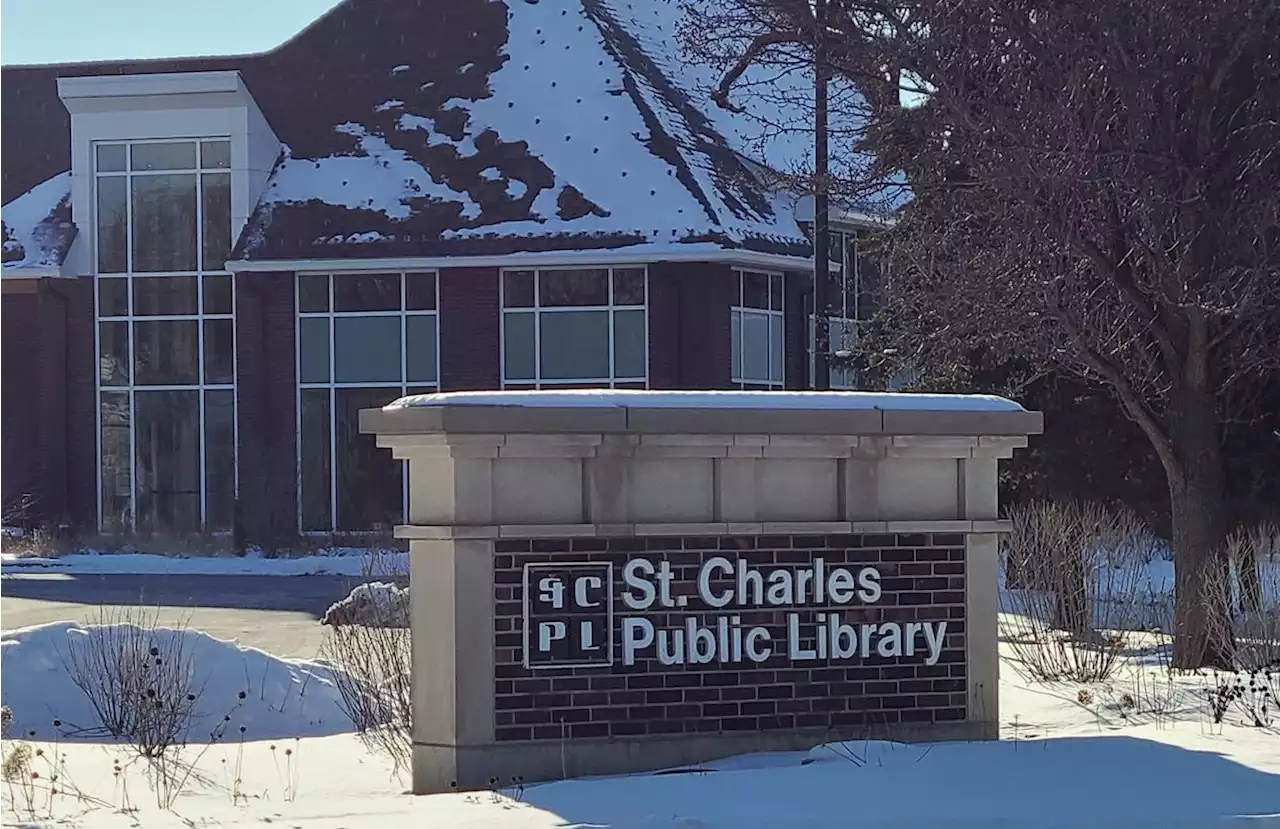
{"x":556,"y":129}
{"x":37,"y":227}
{"x":460,"y":127}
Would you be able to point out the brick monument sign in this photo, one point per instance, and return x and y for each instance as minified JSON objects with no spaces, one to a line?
{"x":615,"y":581}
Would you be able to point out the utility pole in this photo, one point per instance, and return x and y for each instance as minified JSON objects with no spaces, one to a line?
{"x":821,"y":235}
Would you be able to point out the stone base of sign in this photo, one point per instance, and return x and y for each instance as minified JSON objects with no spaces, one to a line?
{"x":621,"y":582}
{"x":476,"y":767}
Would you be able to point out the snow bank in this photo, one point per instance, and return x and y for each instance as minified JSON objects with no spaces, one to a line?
{"x":1099,"y":782}
{"x":282,"y":699}
{"x":376,"y":604}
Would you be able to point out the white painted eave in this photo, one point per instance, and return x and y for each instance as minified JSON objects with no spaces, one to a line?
{"x":85,"y":93}
{"x":639,"y":255}
{"x":34,"y":272}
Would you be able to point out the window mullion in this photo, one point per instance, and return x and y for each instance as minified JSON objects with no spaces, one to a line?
{"x":333,"y":421}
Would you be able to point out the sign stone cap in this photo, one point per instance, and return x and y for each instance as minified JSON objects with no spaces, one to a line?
{"x":626,"y":411}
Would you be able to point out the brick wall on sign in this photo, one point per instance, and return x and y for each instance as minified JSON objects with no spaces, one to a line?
{"x":921,"y":579}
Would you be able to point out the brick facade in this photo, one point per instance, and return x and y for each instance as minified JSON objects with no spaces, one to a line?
{"x":470,"y":334}
{"x":922,"y":579}
{"x":49,"y":419}
{"x":689,"y":340}
{"x":266,"y":408}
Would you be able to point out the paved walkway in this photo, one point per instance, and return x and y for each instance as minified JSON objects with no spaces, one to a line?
{"x":279,"y":614}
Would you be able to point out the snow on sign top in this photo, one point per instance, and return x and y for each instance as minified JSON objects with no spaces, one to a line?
{"x":790,"y":400}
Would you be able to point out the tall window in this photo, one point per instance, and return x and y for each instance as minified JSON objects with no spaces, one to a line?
{"x":848,"y":310}
{"x":363,"y":341}
{"x":566,"y":328}
{"x":166,"y":335}
{"x":757,"y":324}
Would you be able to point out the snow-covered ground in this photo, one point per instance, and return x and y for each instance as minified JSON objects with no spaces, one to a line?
{"x":337,"y":561}
{"x":1066,"y":759}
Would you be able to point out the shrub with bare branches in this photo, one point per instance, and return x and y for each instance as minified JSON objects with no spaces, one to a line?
{"x":1075,"y":585}
{"x":137,"y":676}
{"x":374,"y":681}
{"x":1250,"y":588}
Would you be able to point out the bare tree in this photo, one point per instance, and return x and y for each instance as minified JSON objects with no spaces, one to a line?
{"x":1094,"y":189}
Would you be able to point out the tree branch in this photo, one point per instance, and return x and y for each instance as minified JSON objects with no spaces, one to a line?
{"x":762,"y":42}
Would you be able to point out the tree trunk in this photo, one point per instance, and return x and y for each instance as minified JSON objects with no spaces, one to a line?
{"x":1202,"y":623}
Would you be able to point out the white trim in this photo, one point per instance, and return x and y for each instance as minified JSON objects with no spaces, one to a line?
{"x":35,"y":272}
{"x":617,"y":257}
{"x":119,"y":86}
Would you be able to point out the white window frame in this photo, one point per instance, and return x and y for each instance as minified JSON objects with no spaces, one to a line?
{"x":537,"y":310}
{"x":738,"y":312}
{"x":846,"y":313}
{"x":200,"y":317}
{"x":332,"y":385}
{"x":841,"y":378}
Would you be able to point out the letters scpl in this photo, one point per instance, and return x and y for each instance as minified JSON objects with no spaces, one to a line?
{"x":727,"y":585}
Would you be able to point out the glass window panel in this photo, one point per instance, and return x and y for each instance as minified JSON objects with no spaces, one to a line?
{"x":559,"y":288}
{"x":116,"y":483}
{"x":163,"y":295}
{"x":175,"y":155}
{"x":218,"y":297}
{"x":313,"y":350}
{"x":755,"y":290}
{"x":366,"y":349}
{"x":219,"y":459}
{"x":755,"y":348}
{"x":164,"y":223}
{"x":167,"y":461}
{"x":517,"y":346}
{"x":219,"y":352}
{"x":574,"y":345}
{"x":735,"y":343}
{"x":628,"y":286}
{"x":166,"y":352}
{"x":110,"y":158}
{"x":370,"y":488}
{"x":216,"y":154}
{"x":420,"y":291}
{"x":517,"y":289}
{"x":313,"y":293}
{"x":316,"y":468}
{"x":113,"y":297}
{"x":775,"y":291}
{"x":113,"y":353}
{"x":113,"y":230}
{"x":215,"y":189}
{"x":629,"y":353}
{"x":776,"y":348}
{"x":366,"y":292}
{"x":420,"y":348}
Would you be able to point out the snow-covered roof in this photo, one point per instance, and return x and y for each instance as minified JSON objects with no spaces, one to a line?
{"x":576,"y":128}
{"x":37,"y":229}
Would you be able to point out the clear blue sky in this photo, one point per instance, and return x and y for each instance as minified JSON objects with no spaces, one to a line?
{"x":62,"y":31}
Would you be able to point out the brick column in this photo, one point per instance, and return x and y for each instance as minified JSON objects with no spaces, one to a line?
{"x":470,"y":329}
{"x":266,"y":408}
